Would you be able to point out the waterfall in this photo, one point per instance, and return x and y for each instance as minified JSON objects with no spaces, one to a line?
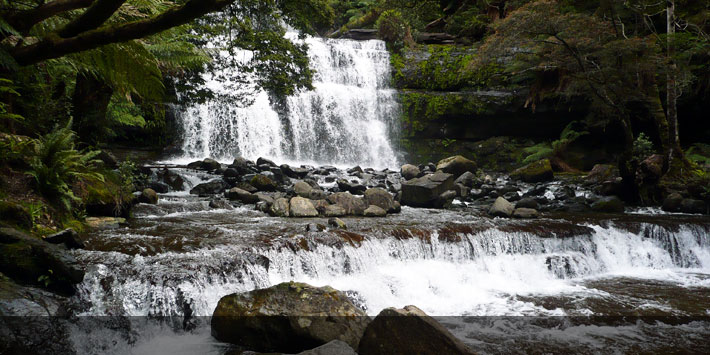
{"x":348,"y":119}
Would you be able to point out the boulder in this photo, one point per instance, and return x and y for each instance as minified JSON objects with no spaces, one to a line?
{"x":335,"y":347}
{"x":461,"y":190}
{"x":334,"y":211}
{"x":289,"y":317}
{"x":231,"y":173}
{"x":408,"y":331}
{"x":352,"y":205}
{"x":220,"y":204}
{"x":380,"y":198}
{"x":650,"y":169}
{"x":280,"y":208}
{"x":104,"y":222}
{"x":317,"y":194}
{"x":501,"y":208}
{"x":608,"y":204}
{"x":672,"y":202}
{"x":263,"y":183}
{"x":148,"y":196}
{"x":159,"y":187}
{"x":108,"y":159}
{"x":374,"y":211}
{"x":16,"y":214}
{"x":263,"y":197}
{"x":302,"y":189}
{"x":238,"y":194}
{"x":538,"y":171}
{"x":467,"y":179}
{"x":602,"y":172}
{"x":352,"y":187}
{"x":527,"y":202}
{"x":337,"y":223}
{"x":264,"y":161}
{"x":409,"y":171}
{"x":247,"y":187}
{"x":210,"y":164}
{"x":693,"y":206}
{"x":456,"y":165}
{"x":295,"y":173}
{"x":210,"y":188}
{"x":525,"y":213}
{"x":302,"y":207}
{"x":445,"y":199}
{"x":424,"y":191}
{"x":68,"y":237}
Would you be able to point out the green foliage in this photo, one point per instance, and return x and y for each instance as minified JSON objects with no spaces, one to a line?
{"x":568,"y":135}
{"x":55,"y":164}
{"x":7,"y":89}
{"x":699,"y":153}
{"x":392,"y":27}
{"x":537,"y":152}
{"x":467,"y":23}
{"x":642,"y":148}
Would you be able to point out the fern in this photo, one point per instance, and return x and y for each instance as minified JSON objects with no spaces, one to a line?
{"x":537,"y":152}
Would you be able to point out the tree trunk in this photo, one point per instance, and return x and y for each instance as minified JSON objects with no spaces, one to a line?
{"x":627,"y":165}
{"x":672,"y":86}
{"x":91,"y":99}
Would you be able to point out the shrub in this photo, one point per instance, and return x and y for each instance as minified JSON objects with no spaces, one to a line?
{"x":391,"y":26}
{"x":642,"y":147}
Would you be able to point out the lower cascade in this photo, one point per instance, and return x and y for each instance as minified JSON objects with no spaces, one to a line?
{"x":349,"y":118}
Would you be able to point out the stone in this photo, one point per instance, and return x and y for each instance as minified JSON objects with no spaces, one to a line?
{"x":409,"y":171}
{"x":335,"y":347}
{"x":210,"y":164}
{"x":209,"y":188}
{"x":650,"y":169}
{"x":104,"y":222}
{"x":445,"y":199}
{"x":289,"y":317}
{"x":538,"y":171}
{"x":456,"y":165}
{"x":108,"y":159}
{"x":352,"y":187}
{"x":148,"y":196}
{"x":353,"y":205}
{"x":601,"y":173}
{"x":374,"y":211}
{"x":247,"y":187}
{"x":238,"y":194}
{"x":302,"y":207}
{"x":527,"y":202}
{"x":608,"y":204}
{"x":526,"y":213}
{"x":467,"y":179}
{"x":263,"y":183}
{"x":320,"y":205}
{"x":317,"y":194}
{"x":159,"y":187}
{"x":68,"y":237}
{"x":334,"y":211}
{"x":263,"y":197}
{"x":381,"y":198}
{"x":295,"y":173}
{"x":354,"y":170}
{"x":231,"y":173}
{"x":16,"y":214}
{"x":693,"y":206}
{"x":280,"y":208}
{"x":173,"y":179}
{"x":337,"y":223}
{"x":302,"y":189}
{"x":264,"y":161}
{"x":672,"y":202}
{"x":424,"y":191}
{"x":220,"y":204}
{"x":408,"y":331}
{"x":501,"y":208}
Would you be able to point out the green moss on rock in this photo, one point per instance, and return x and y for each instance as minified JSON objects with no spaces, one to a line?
{"x":538,"y":171}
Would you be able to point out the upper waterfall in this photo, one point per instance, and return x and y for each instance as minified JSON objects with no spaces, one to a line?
{"x":348,"y":119}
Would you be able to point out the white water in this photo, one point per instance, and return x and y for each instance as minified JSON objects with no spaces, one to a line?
{"x":348,"y":119}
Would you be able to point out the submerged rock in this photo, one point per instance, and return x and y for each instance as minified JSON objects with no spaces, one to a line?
{"x":538,"y":171}
{"x":456,"y":165}
{"x":501,"y":208}
{"x":408,"y":331}
{"x":302,"y":207}
{"x":424,"y":191}
{"x":289,"y":317}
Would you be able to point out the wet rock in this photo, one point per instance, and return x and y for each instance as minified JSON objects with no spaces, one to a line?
{"x":104,"y":222}
{"x":337,"y":223}
{"x":609,"y":204}
{"x":262,"y":206}
{"x":315,"y":227}
{"x":302,"y":207}
{"x":381,"y":198}
{"x":650,"y":169}
{"x":611,"y":188}
{"x":445,"y":199}
{"x":295,"y":173}
{"x":220,"y":204}
{"x":280,"y":208}
{"x":672,"y":202}
{"x":68,"y":237}
{"x":172,"y":179}
{"x":237,"y":194}
{"x":317,"y":194}
{"x":511,"y":196}
{"x":538,"y":171}
{"x":352,"y":205}
{"x":320,"y":205}
{"x":263,"y":197}
{"x":408,"y":331}
{"x":209,"y":164}
{"x":231,"y":173}
{"x":334,"y":211}
{"x":461,"y":190}
{"x":352,"y":187}
{"x":335,"y":347}
{"x":409,"y":171}
{"x":526,"y":213}
{"x":601,"y":173}
{"x":693,"y":206}
{"x":501,"y":208}
{"x":148,"y":196}
{"x":456,"y":165}
{"x":424,"y":191}
{"x":527,"y":203}
{"x":247,"y":187}
{"x":263,"y":183}
{"x":289,"y":317}
{"x":354,"y":170}
{"x":159,"y":187}
{"x":210,"y":188}
{"x":28,"y":260}
{"x":264,"y":161}
{"x":467,"y":179}
{"x":374,"y":211}
{"x":302,"y":189}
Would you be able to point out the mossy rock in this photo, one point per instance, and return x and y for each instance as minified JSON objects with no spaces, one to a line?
{"x":263,"y":183}
{"x":538,"y":171}
{"x":15,"y":214}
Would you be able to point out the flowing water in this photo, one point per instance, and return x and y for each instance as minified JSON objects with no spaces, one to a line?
{"x":348,"y":119}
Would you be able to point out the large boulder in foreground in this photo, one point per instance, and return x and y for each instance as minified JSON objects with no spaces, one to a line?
{"x":408,"y":331}
{"x":381,"y":198}
{"x":302,"y":207}
{"x":501,"y":208}
{"x":409,"y":171}
{"x":456,"y":165}
{"x":289,"y":317}
{"x":424,"y":191}
{"x":538,"y":171}
{"x":353,"y":205}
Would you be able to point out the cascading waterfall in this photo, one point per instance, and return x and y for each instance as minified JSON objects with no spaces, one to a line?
{"x":348,"y":119}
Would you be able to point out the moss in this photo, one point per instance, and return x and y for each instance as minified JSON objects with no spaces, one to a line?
{"x":15,"y":214}
{"x":536,"y":172}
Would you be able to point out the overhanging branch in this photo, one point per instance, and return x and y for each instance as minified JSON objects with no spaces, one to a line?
{"x":23,"y":20}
